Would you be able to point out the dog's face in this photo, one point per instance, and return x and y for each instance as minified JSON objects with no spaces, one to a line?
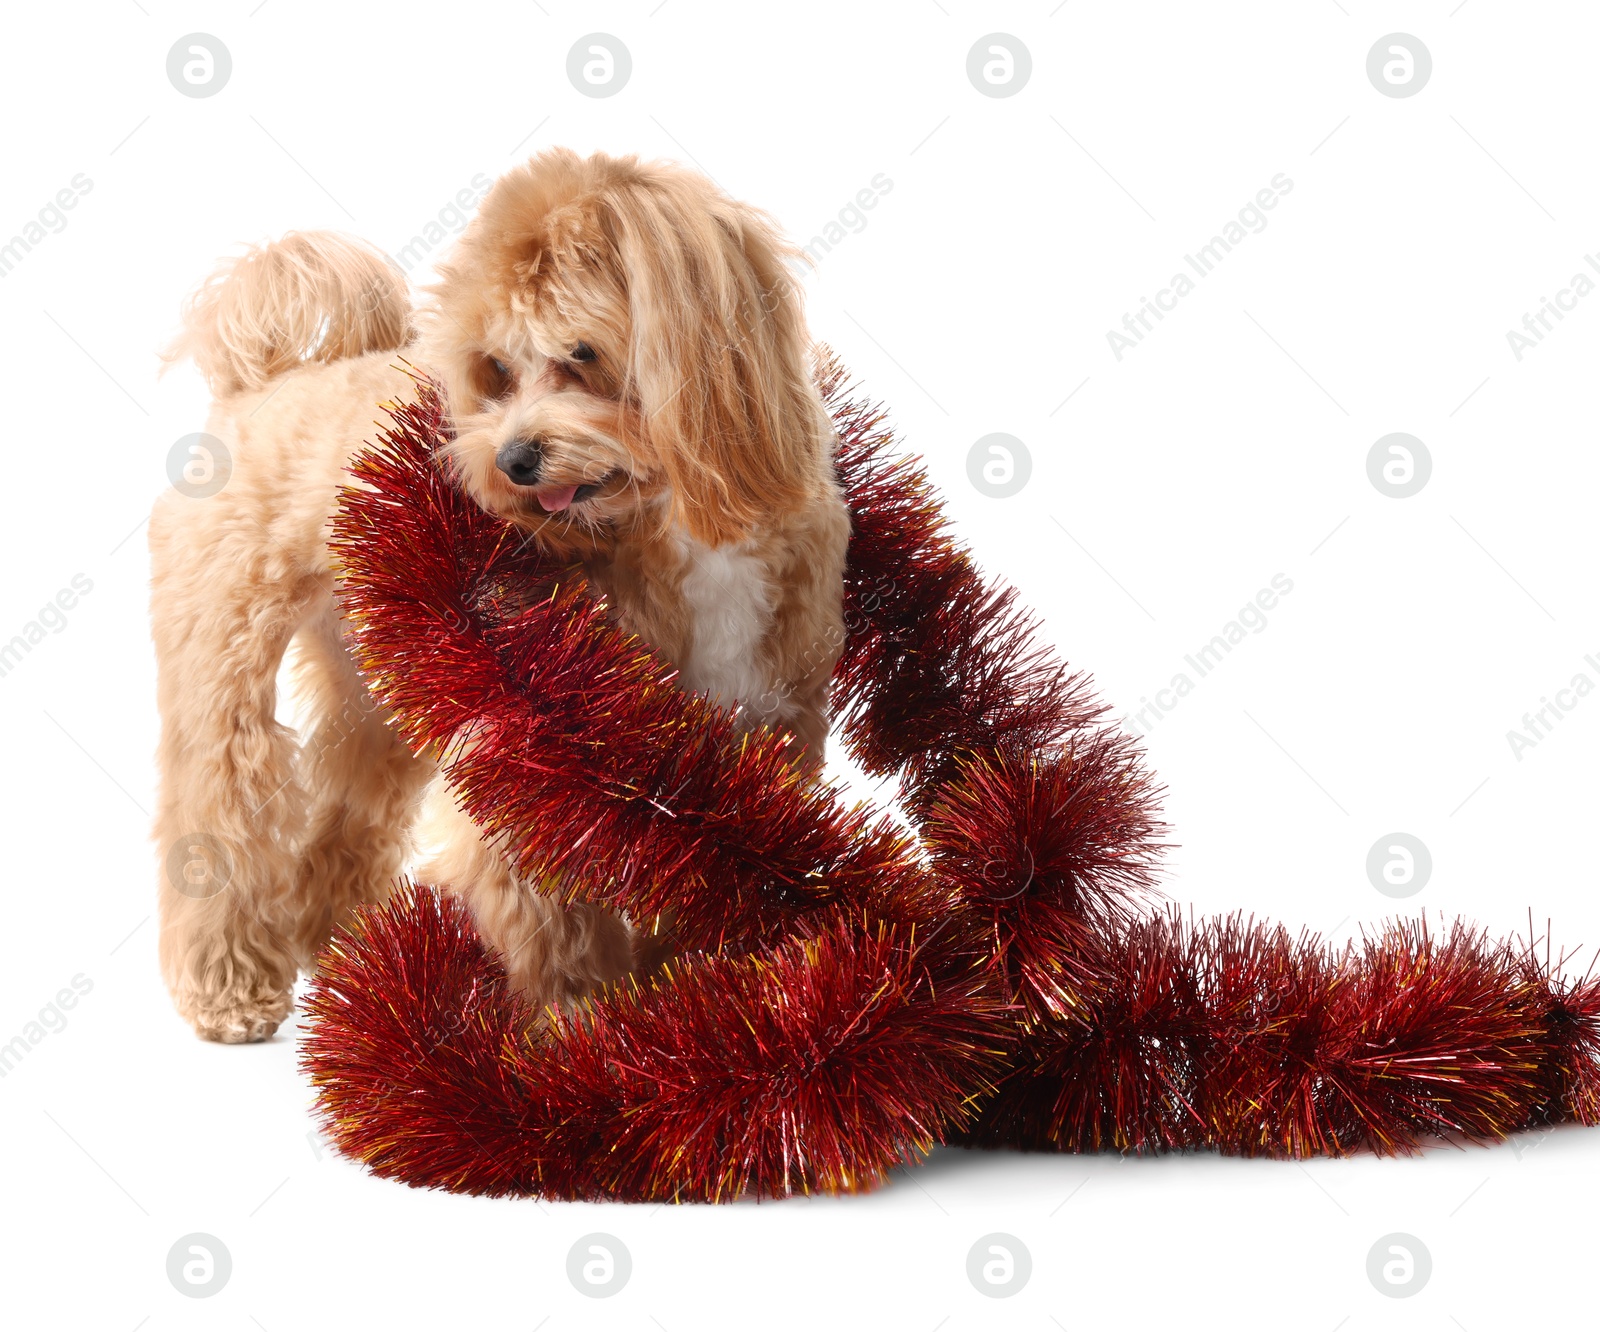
{"x":622,"y":346}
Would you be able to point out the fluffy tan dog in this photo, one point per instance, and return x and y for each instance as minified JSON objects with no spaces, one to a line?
{"x":627,"y":369}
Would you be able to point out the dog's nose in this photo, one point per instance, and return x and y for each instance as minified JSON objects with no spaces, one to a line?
{"x":520,"y":460}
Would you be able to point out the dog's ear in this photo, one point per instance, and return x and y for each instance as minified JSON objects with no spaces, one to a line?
{"x":720,"y":355}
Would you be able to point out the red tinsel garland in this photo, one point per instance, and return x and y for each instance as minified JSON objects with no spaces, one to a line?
{"x":849,"y":995}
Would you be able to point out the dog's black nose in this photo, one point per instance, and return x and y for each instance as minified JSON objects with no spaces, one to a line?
{"x":520,"y":460}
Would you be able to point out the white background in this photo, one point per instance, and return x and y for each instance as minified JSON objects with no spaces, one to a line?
{"x":1228,"y":447}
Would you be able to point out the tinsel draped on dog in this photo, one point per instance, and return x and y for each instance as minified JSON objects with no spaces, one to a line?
{"x":850,"y":989}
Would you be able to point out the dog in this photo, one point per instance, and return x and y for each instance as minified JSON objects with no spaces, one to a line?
{"x":624,"y":360}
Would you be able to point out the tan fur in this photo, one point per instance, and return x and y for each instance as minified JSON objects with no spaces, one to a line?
{"x":715,"y":528}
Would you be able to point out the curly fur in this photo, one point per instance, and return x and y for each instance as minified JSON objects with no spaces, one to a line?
{"x":640,"y":336}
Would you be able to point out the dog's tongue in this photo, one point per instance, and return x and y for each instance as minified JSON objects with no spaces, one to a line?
{"x":552,"y":499}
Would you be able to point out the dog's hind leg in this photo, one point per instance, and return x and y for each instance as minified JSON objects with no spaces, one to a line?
{"x":224,"y":602}
{"x":362,"y":785}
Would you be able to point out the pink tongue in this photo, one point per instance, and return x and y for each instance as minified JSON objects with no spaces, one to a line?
{"x":552,"y":499}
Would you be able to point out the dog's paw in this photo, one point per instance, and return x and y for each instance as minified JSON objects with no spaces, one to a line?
{"x":238,"y":1019}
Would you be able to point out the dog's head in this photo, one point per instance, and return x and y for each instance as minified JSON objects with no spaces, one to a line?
{"x":622,"y":344}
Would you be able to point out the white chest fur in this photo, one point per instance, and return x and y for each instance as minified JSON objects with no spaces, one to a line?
{"x":730,"y":603}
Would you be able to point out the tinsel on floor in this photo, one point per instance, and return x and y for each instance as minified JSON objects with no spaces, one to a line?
{"x":850,"y":994}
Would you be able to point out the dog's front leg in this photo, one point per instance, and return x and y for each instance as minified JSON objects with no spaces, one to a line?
{"x":554,"y":954}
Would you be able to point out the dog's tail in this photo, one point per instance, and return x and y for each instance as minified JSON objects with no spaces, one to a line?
{"x":312,"y":296}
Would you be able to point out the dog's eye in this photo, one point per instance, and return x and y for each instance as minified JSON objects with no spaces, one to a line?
{"x":583,"y":352}
{"x":495,"y":378}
